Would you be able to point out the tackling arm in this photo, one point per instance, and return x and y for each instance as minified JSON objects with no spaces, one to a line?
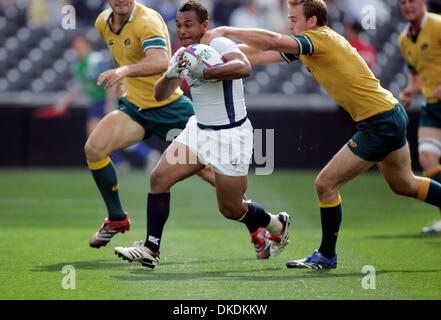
{"x":256,"y":38}
{"x":258,"y":57}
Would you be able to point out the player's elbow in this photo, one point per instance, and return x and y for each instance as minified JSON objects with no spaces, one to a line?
{"x":163,"y":65}
{"x":245,"y":70}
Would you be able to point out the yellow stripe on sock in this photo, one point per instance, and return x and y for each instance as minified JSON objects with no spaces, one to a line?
{"x":213,"y":187}
{"x":98,"y":165}
{"x":424,"y":189}
{"x":330,"y":204}
{"x":432,"y":172}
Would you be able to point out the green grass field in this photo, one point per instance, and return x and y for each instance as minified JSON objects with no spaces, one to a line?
{"x":48,"y":216}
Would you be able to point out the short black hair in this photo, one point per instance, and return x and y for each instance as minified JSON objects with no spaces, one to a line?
{"x":197,"y":7}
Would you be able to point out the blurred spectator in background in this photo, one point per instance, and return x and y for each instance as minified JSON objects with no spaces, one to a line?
{"x":167,"y":9}
{"x":277,"y":17}
{"x":222,"y":10}
{"x":247,"y":16}
{"x":335,"y":13}
{"x":87,"y":11}
{"x":365,"y":49}
{"x":46,"y":13}
{"x":88,"y":66}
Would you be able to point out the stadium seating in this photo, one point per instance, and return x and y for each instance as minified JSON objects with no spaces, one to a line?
{"x":37,"y":59}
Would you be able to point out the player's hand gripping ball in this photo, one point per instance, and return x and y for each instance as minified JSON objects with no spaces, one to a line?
{"x":197,"y":57}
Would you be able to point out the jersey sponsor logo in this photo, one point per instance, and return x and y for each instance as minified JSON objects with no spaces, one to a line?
{"x":425,"y":47}
{"x":127,"y":43}
{"x":111,"y":42}
{"x":353,"y":144}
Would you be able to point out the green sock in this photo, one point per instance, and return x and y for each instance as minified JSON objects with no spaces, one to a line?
{"x":106,"y":179}
{"x":331,"y":215}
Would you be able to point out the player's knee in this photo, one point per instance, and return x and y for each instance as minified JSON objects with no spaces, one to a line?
{"x":230,"y":211}
{"x":159,"y":181}
{"x":206,"y":175}
{"x":429,"y":152}
{"x":322,"y":184}
{"x":93,"y":152}
{"x":428,"y":160}
{"x":404,"y":188}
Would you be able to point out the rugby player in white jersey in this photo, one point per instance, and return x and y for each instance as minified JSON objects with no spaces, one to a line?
{"x":219,"y":135}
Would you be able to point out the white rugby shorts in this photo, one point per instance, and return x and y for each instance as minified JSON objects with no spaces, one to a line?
{"x":229,"y":151}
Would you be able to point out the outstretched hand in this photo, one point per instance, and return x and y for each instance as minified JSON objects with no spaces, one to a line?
{"x":211,"y":34}
{"x":112,"y":77}
{"x":406,"y":98}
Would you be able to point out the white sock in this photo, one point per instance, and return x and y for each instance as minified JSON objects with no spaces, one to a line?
{"x":275,"y":226}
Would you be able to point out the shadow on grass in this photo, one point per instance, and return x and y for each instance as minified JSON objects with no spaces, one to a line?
{"x":81,"y":265}
{"x":249,"y":275}
{"x":106,"y":264}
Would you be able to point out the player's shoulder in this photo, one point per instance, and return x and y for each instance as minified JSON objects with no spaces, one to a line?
{"x":434,"y":22}
{"x":223,"y":45}
{"x":323,"y":31}
{"x":221,"y":41}
{"x":101,"y":20}
{"x":145,"y":13}
{"x":434,"y":17}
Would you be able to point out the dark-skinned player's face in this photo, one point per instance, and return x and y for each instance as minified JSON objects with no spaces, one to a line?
{"x":188,"y":28}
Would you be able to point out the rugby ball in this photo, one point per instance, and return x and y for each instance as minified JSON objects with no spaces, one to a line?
{"x":209,"y":56}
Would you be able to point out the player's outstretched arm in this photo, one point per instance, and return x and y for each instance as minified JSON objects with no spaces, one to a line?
{"x":413,"y":88}
{"x":67,"y":100}
{"x":236,"y":66}
{"x":257,"y":38}
{"x":155,"y":62}
{"x":258,"y":57}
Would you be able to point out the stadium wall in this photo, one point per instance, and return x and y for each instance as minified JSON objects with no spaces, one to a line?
{"x":302,"y":139}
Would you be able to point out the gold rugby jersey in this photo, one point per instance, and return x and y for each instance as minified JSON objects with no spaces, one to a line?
{"x":423,"y":53}
{"x":144,"y":30}
{"x":341,"y":71}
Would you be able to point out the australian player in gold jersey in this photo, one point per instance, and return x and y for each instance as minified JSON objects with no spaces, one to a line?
{"x":380,"y":120}
{"x":138,"y":40}
{"x":420,"y":44}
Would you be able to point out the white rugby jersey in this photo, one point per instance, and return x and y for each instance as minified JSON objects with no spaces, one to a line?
{"x":220,"y":102}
